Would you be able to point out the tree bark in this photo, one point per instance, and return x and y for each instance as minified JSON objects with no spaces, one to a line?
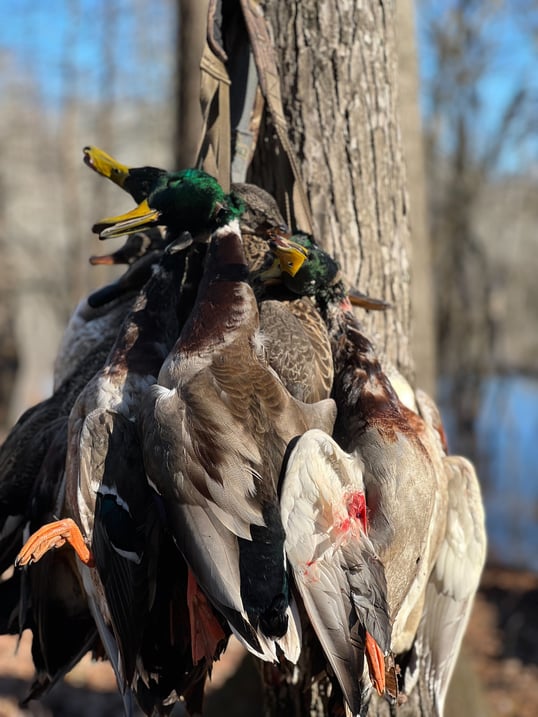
{"x":337,"y":61}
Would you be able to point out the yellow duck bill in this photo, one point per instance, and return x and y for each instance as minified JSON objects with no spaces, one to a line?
{"x":291,"y":255}
{"x":141,"y":217}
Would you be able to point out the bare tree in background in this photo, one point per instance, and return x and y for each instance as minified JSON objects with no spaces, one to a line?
{"x":463,"y":152}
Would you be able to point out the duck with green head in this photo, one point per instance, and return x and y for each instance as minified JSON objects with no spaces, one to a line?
{"x":306,"y":269}
{"x":260,"y":208}
{"x":189,"y":200}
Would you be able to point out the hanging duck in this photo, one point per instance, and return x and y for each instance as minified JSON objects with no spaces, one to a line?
{"x":111,"y":519}
{"x":456,"y":573}
{"x":403,"y":471}
{"x":337,"y":573}
{"x":259,"y":209}
{"x":217,"y":425}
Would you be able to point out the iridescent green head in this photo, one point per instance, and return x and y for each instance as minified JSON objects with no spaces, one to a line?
{"x":189,"y":200}
{"x":306,"y":269}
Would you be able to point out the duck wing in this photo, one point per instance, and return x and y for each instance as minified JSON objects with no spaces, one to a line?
{"x":298,"y":347}
{"x":454,"y":580}
{"x":126,"y":535}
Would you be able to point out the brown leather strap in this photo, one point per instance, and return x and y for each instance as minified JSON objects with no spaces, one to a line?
{"x":214,"y":151}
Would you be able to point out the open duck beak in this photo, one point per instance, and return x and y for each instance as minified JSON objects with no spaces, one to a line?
{"x":104,"y":164}
{"x":141,"y":217}
{"x":290,"y":255}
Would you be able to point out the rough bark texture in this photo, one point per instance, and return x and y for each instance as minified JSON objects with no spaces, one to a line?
{"x":338,"y":73}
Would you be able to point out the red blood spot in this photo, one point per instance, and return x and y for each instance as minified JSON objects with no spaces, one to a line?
{"x":345,"y":305}
{"x":356,"y":508}
{"x":345,"y":525}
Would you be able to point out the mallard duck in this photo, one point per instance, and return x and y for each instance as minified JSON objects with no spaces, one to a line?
{"x":110,"y":517}
{"x":260,"y":210}
{"x":320,"y":276}
{"x":216,"y":427}
{"x":339,"y":577}
{"x":403,"y":474}
{"x":189,"y":200}
{"x":32,"y":477}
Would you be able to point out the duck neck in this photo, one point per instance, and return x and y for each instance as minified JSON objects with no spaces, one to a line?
{"x":361,"y":389}
{"x":224,"y":297}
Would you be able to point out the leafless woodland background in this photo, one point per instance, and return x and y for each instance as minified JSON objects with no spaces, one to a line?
{"x":473,"y":226}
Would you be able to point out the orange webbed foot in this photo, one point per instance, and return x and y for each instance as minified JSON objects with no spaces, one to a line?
{"x":376,"y":663}
{"x":54,"y":535}
{"x":206,"y":631}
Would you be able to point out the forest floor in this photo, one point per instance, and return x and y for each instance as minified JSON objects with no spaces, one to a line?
{"x":501,"y":646}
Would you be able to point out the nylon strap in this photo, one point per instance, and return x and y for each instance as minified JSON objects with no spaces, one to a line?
{"x":214,"y":151}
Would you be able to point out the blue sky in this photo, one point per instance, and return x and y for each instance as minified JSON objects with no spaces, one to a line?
{"x":513,"y":63}
{"x":45,"y":41}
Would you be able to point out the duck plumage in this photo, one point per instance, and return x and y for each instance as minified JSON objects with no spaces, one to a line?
{"x":337,"y":572}
{"x":107,"y":495}
{"x":219,"y":421}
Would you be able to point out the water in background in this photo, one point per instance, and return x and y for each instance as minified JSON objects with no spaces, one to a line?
{"x":507,"y":435}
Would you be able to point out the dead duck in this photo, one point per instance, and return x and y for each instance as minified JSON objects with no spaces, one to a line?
{"x":259,"y":214}
{"x":215,"y":429}
{"x":455,"y":577}
{"x":109,"y":515}
{"x":403,"y":471}
{"x":337,"y":572}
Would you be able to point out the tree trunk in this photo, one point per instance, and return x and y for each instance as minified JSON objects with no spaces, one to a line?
{"x":337,"y":61}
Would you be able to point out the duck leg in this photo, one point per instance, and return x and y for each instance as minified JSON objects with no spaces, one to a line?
{"x":54,"y":535}
{"x":206,"y":632}
{"x":376,"y":663}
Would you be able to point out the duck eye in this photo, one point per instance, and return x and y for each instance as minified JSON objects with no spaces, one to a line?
{"x":290,"y":264}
